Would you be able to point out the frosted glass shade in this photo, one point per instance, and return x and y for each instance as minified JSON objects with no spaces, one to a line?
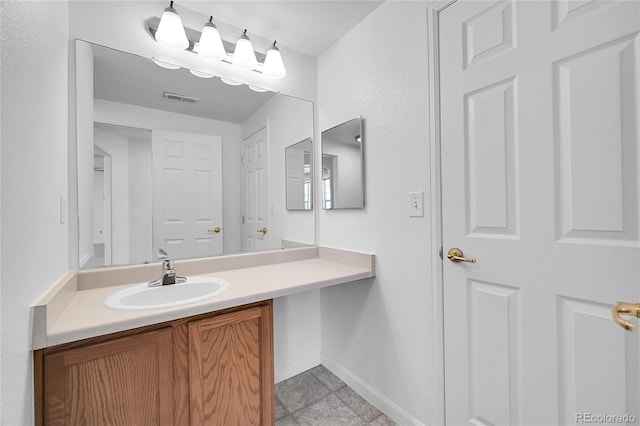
{"x":230,"y":82}
{"x":243,"y":55}
{"x":210,"y":44}
{"x":273,"y":65}
{"x":164,"y":64}
{"x":170,"y":30}
{"x":201,"y":74}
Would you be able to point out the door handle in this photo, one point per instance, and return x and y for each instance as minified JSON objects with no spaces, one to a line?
{"x":216,"y":230}
{"x":263,"y":230}
{"x":630,"y":309}
{"x":455,"y":255}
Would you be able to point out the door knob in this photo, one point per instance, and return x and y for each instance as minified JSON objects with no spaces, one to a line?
{"x":455,"y":255}
{"x":263,"y":230}
{"x":630,"y":309}
{"x":216,"y":230}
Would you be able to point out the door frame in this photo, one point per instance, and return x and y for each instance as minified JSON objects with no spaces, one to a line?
{"x":109,"y":121}
{"x":438,"y":407}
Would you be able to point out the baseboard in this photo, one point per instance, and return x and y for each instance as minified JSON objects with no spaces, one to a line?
{"x":384,"y":404}
{"x":284,"y":373}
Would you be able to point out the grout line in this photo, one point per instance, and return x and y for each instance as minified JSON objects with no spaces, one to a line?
{"x":291,"y":414}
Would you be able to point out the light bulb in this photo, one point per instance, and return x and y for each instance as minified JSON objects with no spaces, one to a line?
{"x":243,"y":55}
{"x":170,"y":30}
{"x":273,"y":65}
{"x":210,"y":44}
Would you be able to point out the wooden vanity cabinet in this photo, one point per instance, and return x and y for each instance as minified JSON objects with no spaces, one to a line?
{"x":213,"y":369}
{"x":231,"y":370}
{"x":124,"y":381}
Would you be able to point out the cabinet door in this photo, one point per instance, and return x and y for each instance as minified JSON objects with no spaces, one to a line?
{"x":127,"y":381}
{"x":231,"y":368}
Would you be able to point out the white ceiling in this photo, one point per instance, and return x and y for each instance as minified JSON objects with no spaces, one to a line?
{"x":308,"y":26}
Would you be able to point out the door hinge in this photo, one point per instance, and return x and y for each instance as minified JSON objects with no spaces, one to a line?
{"x":243,"y":220}
{"x":441,"y":253}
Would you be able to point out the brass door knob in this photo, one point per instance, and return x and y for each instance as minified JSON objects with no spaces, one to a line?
{"x":263,"y":230}
{"x":630,"y":309}
{"x":216,"y":230}
{"x":455,"y":255}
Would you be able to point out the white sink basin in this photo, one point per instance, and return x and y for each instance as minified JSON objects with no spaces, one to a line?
{"x":142,"y":297}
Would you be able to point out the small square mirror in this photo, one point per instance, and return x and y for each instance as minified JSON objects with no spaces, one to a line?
{"x":343,"y":166}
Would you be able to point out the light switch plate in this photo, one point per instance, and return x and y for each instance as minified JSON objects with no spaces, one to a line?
{"x":416,"y":204}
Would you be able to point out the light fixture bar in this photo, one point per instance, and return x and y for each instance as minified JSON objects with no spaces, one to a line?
{"x":228,"y":46}
{"x":170,"y":31}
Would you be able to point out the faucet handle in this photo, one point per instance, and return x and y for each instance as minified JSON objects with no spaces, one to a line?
{"x":162,"y":255}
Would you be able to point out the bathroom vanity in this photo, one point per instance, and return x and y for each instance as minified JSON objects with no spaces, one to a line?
{"x":209,"y":362}
{"x":209,"y":369}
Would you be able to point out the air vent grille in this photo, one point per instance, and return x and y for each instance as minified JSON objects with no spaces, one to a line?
{"x":180,"y":98}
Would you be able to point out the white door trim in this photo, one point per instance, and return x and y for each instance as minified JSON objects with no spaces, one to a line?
{"x":437,"y":283}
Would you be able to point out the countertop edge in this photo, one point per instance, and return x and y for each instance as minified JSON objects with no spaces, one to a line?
{"x":50,"y":308}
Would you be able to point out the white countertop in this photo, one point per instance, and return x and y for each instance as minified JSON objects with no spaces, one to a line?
{"x":74,"y":309}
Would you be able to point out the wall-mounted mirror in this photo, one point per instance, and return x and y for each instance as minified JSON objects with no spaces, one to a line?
{"x":343,"y":166}
{"x":299,"y":175}
{"x":166,"y":159}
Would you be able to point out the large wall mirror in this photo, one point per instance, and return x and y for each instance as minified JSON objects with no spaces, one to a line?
{"x":166,"y":159}
{"x":343,"y":166}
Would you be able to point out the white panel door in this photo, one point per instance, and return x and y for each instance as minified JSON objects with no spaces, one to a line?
{"x":540,"y":184}
{"x":187,"y":194}
{"x":256,"y":201}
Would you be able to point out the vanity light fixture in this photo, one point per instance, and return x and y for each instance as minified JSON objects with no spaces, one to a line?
{"x":210,"y":44}
{"x":243,"y":55}
{"x":273,"y":65}
{"x":170,"y":30}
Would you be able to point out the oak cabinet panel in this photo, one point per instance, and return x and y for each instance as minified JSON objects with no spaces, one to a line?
{"x":127,"y":381}
{"x":214,"y":369}
{"x":229,"y":383}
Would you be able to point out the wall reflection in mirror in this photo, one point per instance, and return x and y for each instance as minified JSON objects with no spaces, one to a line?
{"x":169,"y":160}
{"x":299,"y":175}
{"x":343,"y":166}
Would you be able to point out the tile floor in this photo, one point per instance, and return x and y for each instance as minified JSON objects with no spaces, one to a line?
{"x":318,"y":398}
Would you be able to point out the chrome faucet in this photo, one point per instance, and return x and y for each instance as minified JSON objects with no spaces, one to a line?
{"x":168,"y":276}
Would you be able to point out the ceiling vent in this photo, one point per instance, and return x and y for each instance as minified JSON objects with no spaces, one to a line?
{"x":180,"y":98}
